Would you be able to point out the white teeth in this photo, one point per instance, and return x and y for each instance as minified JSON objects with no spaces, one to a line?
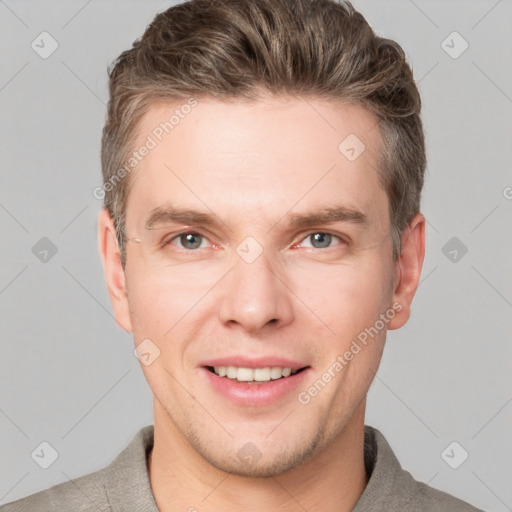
{"x":220,"y":371}
{"x":262,"y":374}
{"x":245,"y":374}
{"x":276,"y":372}
{"x":253,"y":374}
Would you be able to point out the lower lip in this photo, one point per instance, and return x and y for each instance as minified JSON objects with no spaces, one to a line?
{"x":261,"y":394}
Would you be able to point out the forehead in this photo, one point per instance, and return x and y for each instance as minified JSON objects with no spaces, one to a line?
{"x":259,"y":156}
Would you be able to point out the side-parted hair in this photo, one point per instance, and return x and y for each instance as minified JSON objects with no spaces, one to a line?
{"x":247,"y":48}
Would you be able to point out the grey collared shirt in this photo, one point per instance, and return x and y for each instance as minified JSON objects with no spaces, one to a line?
{"x":123,"y":485}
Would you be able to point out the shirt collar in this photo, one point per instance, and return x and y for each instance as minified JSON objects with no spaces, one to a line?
{"x":127,"y":483}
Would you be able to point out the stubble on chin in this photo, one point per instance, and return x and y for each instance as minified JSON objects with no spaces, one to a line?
{"x":282,"y":460}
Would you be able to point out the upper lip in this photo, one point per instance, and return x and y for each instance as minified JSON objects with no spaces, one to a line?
{"x":256,"y":362}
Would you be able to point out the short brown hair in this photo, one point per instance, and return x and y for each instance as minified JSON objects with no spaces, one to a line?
{"x":241,"y":48}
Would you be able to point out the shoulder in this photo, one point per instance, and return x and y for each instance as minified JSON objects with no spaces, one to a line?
{"x":124,"y":481}
{"x":85,"y":493}
{"x":390,"y":487}
{"x":429,"y":499}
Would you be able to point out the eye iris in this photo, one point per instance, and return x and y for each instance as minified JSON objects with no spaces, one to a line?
{"x":189,"y":238}
{"x":323,"y":238}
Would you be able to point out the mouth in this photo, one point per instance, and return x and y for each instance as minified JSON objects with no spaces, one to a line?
{"x":264,"y":381}
{"x":254,"y":375}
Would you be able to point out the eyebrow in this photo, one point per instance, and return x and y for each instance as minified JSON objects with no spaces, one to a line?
{"x":328,"y":215}
{"x":340,"y":213}
{"x":174,"y":215}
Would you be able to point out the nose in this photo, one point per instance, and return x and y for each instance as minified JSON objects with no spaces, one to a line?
{"x":255,"y":296}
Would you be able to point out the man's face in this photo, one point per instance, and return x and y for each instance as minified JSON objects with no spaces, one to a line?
{"x":252,"y":288}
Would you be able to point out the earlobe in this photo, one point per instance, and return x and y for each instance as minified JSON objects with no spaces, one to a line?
{"x":408,"y":269}
{"x":114,"y":272}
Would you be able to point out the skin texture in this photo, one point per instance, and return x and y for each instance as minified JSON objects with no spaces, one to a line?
{"x":251,"y":165}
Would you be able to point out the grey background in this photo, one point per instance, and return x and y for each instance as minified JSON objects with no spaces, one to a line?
{"x":68,"y":373}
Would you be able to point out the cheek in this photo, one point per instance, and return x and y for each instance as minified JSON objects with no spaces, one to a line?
{"x":347,"y":298}
{"x":154,"y":306}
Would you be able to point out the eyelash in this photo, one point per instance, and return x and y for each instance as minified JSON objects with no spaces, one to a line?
{"x":168,"y":241}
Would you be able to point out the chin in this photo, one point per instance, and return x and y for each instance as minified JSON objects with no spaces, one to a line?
{"x":249,"y":461}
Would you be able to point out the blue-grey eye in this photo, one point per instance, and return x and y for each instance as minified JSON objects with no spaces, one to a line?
{"x":190,"y":240}
{"x":320,"y":240}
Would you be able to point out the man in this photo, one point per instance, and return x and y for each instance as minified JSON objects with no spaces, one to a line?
{"x":262,"y":169}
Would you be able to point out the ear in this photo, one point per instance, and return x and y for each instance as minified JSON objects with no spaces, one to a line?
{"x":408,"y":269}
{"x":114,"y":272}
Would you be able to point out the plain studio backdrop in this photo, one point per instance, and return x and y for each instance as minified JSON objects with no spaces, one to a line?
{"x":69,"y":378}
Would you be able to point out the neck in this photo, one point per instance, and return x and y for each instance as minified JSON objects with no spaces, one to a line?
{"x":182,"y":480}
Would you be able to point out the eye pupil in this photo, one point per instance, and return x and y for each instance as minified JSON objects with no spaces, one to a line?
{"x":323,"y":238}
{"x":189,"y":238}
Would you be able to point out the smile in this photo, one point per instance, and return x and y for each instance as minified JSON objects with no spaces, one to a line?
{"x":242,"y":374}
{"x":275,"y":384}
